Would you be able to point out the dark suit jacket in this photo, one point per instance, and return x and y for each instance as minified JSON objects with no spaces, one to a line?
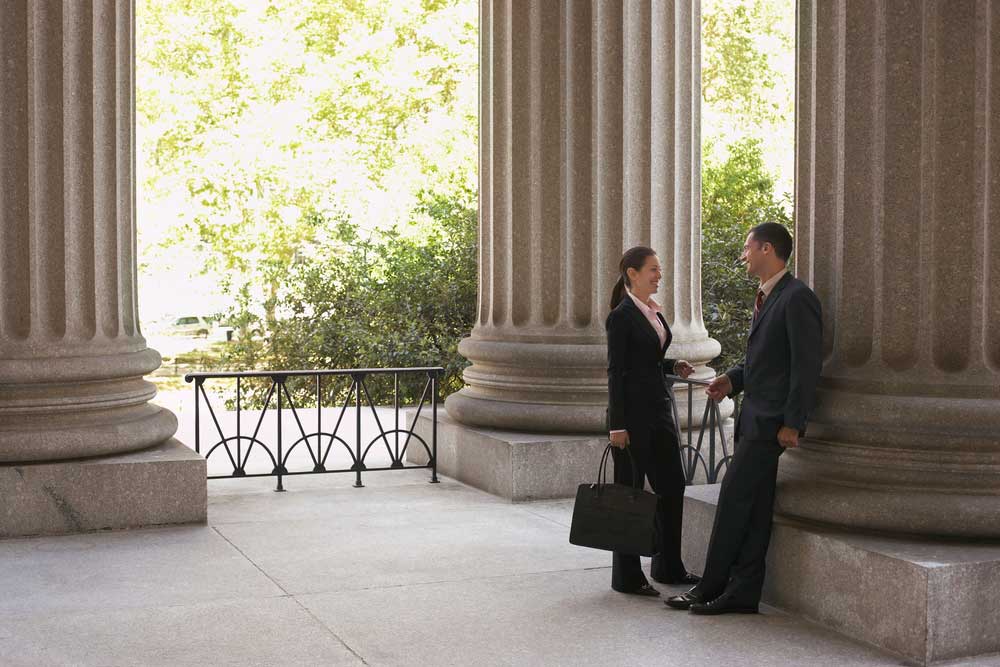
{"x":637,"y":388}
{"x":784,"y":357}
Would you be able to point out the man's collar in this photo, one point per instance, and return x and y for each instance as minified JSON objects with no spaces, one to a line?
{"x":768,"y":286}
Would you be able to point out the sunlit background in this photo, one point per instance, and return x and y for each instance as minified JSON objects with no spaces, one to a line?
{"x":307,"y":173}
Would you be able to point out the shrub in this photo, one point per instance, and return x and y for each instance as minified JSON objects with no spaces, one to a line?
{"x":374,"y":300}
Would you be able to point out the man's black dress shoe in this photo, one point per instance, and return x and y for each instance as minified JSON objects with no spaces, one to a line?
{"x":688,"y":579}
{"x":644,"y":590}
{"x":684,"y":600}
{"x":724,"y":604}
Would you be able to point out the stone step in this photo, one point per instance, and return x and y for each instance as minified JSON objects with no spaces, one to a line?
{"x":925,"y":600}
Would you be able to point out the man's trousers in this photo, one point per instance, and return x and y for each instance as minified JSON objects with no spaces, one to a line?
{"x":742,"y":528}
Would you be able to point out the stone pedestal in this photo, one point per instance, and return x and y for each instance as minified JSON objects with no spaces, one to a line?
{"x":72,"y":358}
{"x":514,"y":465}
{"x":926,"y":600}
{"x":589,"y":144}
{"x":161,"y":485}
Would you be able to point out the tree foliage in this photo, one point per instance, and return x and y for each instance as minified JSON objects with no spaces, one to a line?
{"x":261,"y":121}
{"x":736,"y":195}
{"x":747,"y":103}
{"x":317,"y":159}
{"x":375,"y":300}
{"x":740,"y":77}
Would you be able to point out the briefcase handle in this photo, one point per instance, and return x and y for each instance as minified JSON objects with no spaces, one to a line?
{"x":602,"y":470}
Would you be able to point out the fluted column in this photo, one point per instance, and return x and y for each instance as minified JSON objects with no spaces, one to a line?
{"x":71,"y":354}
{"x":898,"y":212}
{"x":589,"y":143}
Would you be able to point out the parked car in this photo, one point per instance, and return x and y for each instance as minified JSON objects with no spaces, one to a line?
{"x":190,"y":325}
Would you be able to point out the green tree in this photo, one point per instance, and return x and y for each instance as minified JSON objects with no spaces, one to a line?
{"x":376,"y":299}
{"x":736,"y":195}
{"x":219,"y":179}
{"x":260,"y":123}
{"x":747,"y":102}
{"x":743,"y":40}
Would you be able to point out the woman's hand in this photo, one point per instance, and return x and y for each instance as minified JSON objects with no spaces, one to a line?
{"x":619,"y":439}
{"x":683,"y":368}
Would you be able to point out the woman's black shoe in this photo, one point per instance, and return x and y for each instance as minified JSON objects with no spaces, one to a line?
{"x":644,"y":590}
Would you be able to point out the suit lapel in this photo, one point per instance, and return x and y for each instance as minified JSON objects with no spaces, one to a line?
{"x":642,"y":322}
{"x":667,"y":338}
{"x":771,"y":298}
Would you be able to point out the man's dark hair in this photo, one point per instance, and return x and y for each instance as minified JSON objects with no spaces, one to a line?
{"x":776,"y":235}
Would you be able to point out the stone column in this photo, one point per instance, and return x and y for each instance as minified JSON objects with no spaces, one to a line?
{"x":589,"y":144}
{"x":72,"y":357}
{"x":898,"y":211}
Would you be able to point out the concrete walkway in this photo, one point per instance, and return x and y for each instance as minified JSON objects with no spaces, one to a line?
{"x":401,"y":572}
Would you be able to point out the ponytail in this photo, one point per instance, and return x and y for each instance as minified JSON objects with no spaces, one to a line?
{"x":618,"y":292}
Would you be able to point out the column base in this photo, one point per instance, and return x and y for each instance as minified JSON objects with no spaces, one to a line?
{"x":942,"y":493}
{"x":514,"y":465}
{"x":165,"y":484}
{"x":493,"y":413}
{"x":925,"y":600}
{"x":517,"y":465}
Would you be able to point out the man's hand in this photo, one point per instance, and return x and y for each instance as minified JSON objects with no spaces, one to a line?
{"x":683,"y":368}
{"x":719,"y":388}
{"x":788,"y":437}
{"x":619,"y":439}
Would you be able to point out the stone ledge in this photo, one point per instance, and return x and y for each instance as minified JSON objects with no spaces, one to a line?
{"x":161,"y":485}
{"x":512,"y":465}
{"x":519,"y":466}
{"x":927,"y":601}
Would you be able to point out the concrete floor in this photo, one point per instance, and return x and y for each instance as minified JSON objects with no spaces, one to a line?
{"x":401,"y":572}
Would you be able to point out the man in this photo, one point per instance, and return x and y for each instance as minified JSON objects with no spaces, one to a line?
{"x":778,"y":378}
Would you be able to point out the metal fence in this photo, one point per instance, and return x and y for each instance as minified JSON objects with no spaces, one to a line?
{"x":692,"y":454}
{"x":319,"y":443}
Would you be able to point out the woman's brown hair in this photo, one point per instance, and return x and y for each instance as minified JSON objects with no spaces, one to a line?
{"x":633,"y":258}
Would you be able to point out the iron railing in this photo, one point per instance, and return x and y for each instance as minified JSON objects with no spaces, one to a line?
{"x":711,"y":422}
{"x":319,"y":443}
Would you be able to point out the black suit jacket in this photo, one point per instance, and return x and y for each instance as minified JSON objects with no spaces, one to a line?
{"x":784,"y":357}
{"x":637,"y":388}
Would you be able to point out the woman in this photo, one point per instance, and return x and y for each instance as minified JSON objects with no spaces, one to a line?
{"x":640,"y":418}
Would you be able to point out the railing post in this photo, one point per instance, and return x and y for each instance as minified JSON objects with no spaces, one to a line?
{"x":240,"y":471}
{"x":397,"y":462}
{"x":280,"y":468}
{"x":712,"y":475}
{"x":197,"y":417}
{"x":690,"y":448}
{"x":690,"y":420}
{"x":358,"y":379}
{"x":434,"y":428}
{"x":320,"y":465}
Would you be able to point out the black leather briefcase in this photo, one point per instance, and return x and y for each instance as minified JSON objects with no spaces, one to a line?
{"x":614,"y":517}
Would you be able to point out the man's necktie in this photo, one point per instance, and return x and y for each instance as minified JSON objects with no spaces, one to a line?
{"x":757,"y":304}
